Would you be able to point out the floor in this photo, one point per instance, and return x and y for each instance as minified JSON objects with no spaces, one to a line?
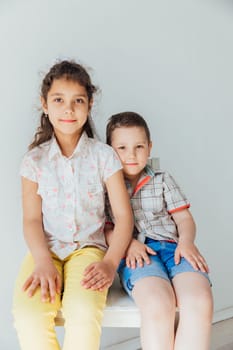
{"x":222,"y":335}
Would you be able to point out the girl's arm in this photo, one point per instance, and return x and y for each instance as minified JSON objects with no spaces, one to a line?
{"x":101,"y":275}
{"x":45,"y":274}
{"x":186,"y":248}
{"x":137,"y":253}
{"x":122,"y":212}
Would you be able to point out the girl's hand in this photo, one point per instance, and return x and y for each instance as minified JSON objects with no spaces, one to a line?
{"x":137,"y":254}
{"x":189,"y":251}
{"x":45,"y":276}
{"x":98,"y":276}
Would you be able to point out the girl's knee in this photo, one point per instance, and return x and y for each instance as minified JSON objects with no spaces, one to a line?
{"x":85,"y":309}
{"x":30,"y":311}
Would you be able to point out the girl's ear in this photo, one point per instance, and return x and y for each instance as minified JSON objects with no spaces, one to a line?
{"x":44,"y":105}
{"x":90,"y":104}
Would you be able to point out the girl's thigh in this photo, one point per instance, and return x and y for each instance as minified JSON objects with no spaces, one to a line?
{"x":22,"y":303}
{"x":75,"y":296}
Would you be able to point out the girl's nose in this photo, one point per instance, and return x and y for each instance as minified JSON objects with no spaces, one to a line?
{"x":69,"y":109}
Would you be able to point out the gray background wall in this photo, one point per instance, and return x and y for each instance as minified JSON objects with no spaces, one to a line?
{"x":169,"y":60}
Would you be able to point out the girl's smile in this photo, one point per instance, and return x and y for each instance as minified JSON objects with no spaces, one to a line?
{"x":67,"y":107}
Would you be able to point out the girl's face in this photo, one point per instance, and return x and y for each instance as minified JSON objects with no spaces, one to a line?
{"x":67,"y":107}
{"x":133,"y":148}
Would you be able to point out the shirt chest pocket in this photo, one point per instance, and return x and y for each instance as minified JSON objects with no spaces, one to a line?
{"x":49,"y":197}
{"x":153,"y":200}
{"x":92,"y":196}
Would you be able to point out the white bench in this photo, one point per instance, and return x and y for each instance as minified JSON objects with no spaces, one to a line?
{"x":120,"y":310}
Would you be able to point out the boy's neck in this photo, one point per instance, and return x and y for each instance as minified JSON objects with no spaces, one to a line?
{"x":133,"y":180}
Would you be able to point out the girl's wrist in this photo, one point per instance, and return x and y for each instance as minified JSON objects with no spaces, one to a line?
{"x":43,"y":258}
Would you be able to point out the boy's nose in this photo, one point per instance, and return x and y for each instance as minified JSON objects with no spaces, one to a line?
{"x":132,"y":153}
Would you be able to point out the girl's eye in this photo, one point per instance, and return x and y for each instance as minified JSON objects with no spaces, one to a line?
{"x":58,"y":99}
{"x":79,"y":100}
{"x":140,"y":146}
{"x":121,"y":147}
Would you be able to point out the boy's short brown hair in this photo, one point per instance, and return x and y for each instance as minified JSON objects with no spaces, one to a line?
{"x":125,"y":119}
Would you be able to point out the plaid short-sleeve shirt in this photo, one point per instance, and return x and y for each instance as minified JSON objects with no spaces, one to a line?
{"x":154,"y":199}
{"x":72,"y":192}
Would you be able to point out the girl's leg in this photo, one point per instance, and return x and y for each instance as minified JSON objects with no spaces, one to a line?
{"x":82,"y":308}
{"x":155,"y":298}
{"x":195,"y":302}
{"x":34,"y":319}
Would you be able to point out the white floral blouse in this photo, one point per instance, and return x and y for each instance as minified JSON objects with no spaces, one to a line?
{"x":72,"y":192}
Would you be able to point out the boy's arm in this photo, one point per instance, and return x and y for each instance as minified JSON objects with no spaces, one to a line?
{"x":186,"y":248}
{"x":44,"y":274}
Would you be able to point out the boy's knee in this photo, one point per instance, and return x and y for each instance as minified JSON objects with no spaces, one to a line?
{"x":201,"y":304}
{"x":164,"y":305}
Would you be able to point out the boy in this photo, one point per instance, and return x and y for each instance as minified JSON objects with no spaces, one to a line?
{"x":163,"y":267}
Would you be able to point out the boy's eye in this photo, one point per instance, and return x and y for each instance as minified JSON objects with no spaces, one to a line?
{"x":140,"y":146}
{"x":121,"y":147}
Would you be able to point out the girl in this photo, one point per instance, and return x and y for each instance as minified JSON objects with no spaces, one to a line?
{"x":64,"y":177}
{"x":163,"y":267}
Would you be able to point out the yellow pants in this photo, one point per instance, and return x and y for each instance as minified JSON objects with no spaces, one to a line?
{"x":82,"y":308}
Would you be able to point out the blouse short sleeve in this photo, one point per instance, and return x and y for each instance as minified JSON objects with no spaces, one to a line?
{"x":28,"y":168}
{"x":112,"y":163}
{"x":175,"y":199}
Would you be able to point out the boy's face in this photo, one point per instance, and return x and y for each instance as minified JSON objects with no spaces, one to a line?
{"x":133,"y":148}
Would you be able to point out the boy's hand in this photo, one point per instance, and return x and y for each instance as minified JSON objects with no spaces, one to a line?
{"x":45,"y":276}
{"x":189,"y":251}
{"x":98,"y":276}
{"x":137,"y":254}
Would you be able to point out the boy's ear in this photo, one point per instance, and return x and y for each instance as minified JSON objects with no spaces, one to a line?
{"x":44,"y":105}
{"x":150,"y":147}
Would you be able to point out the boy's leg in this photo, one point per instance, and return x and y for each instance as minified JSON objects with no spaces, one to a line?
{"x":155,"y":298}
{"x":82,"y":308}
{"x":34,"y":319}
{"x":195,"y":302}
{"x":153,"y":293}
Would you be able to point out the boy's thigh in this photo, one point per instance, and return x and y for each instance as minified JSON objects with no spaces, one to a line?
{"x":167,"y":254}
{"x":129,"y":276}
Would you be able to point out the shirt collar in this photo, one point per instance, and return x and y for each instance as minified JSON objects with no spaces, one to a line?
{"x":80,"y":149}
{"x":145,"y":177}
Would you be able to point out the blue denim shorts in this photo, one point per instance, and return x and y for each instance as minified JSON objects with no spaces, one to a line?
{"x":162,"y":265}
